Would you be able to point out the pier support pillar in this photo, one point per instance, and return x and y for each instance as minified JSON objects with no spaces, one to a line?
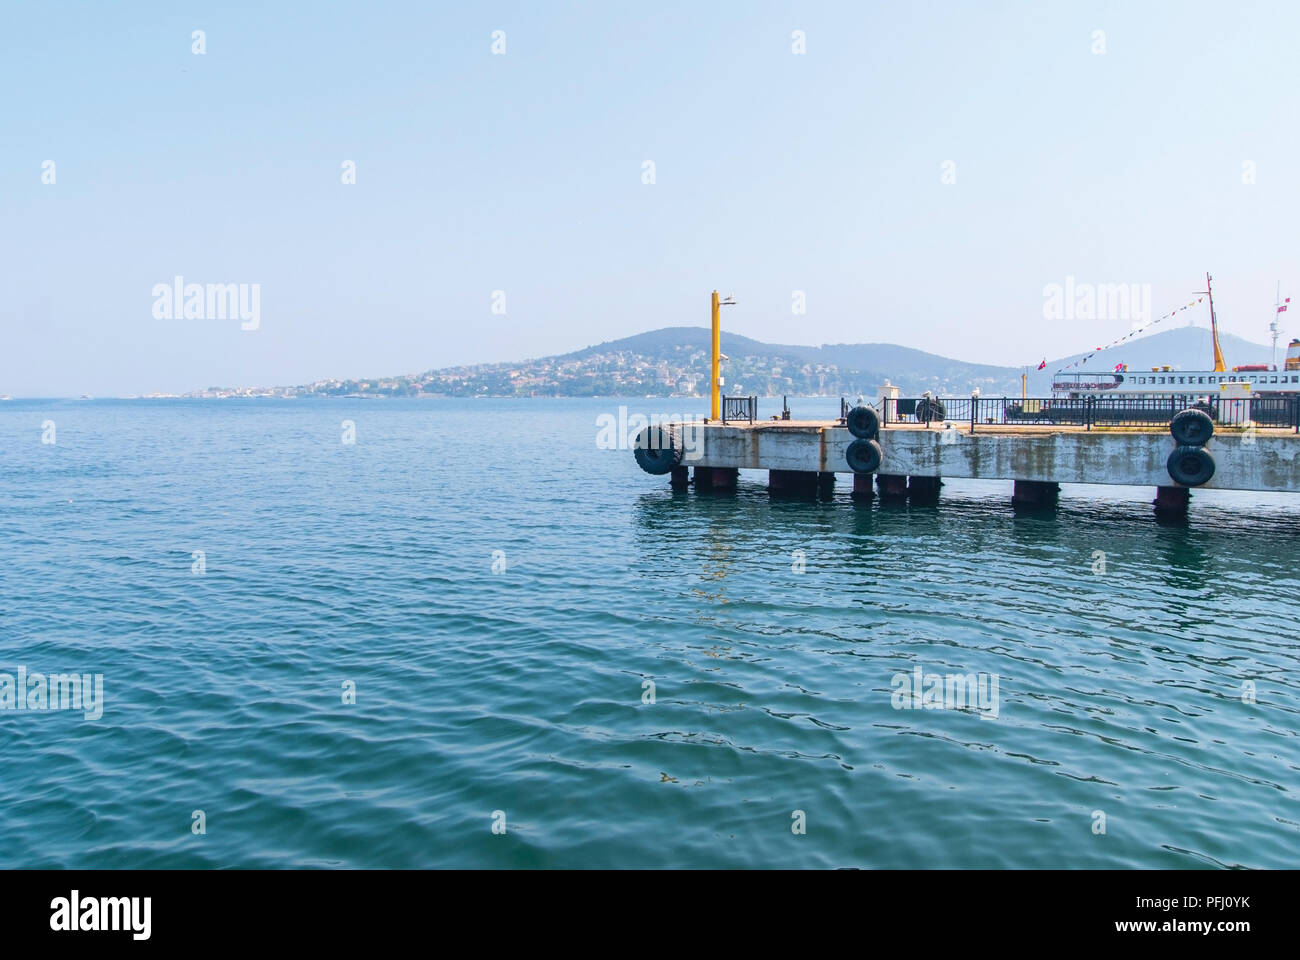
{"x":1171,"y":502}
{"x":862,"y":489}
{"x":792,"y":483}
{"x":680,"y":478}
{"x":891,"y":486}
{"x":826,"y":485}
{"x":720,"y":479}
{"x":924,"y":490}
{"x":1035,"y":493}
{"x":800,"y":483}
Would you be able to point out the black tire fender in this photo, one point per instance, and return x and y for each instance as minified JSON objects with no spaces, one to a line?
{"x":1190,"y":466}
{"x":930,"y":409}
{"x":1191,"y":428}
{"x":863,"y":422}
{"x":864,"y":456}
{"x":655,"y":451}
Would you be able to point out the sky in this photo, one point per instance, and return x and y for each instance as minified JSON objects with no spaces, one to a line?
{"x":921,"y":172}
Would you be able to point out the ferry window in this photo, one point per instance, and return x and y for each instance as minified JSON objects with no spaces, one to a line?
{"x":1274,"y":380}
{"x":1202,"y":380}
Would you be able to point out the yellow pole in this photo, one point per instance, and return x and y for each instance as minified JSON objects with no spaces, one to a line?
{"x":1024,"y":386}
{"x":717,"y":358}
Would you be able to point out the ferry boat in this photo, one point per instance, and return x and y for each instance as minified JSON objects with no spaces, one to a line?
{"x":1240,"y":383}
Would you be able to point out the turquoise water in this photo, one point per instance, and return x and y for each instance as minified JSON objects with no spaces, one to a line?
{"x":521,"y":690}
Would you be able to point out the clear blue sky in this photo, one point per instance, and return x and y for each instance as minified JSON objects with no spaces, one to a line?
{"x":475,"y":172}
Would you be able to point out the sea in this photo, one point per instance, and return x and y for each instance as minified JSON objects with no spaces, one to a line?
{"x":370,"y":633}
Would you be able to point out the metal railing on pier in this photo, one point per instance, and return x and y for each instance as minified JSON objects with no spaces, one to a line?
{"x":739,"y":408}
{"x":1088,"y":412}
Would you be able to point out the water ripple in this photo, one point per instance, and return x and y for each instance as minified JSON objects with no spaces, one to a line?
{"x":633,"y":677}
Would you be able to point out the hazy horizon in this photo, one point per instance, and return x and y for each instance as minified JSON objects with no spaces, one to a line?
{"x":1231,"y":342}
{"x":910,"y":176}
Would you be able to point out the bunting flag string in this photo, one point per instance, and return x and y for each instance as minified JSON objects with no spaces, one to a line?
{"x":1128,"y":336}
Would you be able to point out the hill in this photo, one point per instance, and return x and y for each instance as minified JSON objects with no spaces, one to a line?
{"x":674,"y":361}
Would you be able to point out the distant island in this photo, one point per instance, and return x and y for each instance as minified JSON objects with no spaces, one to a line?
{"x":674,"y":362}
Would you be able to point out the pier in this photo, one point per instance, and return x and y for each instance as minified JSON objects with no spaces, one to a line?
{"x":907,"y":459}
{"x":1211,"y":430}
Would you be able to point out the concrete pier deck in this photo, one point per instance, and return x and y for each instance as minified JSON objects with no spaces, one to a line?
{"x":1245,"y":459}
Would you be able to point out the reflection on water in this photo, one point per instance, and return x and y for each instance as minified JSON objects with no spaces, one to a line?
{"x":1084,"y":612}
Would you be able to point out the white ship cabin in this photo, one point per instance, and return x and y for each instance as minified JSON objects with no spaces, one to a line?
{"x":1253,"y":379}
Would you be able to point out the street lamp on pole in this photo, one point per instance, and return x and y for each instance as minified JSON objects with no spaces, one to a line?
{"x":716,"y":389}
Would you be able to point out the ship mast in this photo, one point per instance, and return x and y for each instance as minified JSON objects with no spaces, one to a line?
{"x":1273,"y":327}
{"x":1219,"y":365}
